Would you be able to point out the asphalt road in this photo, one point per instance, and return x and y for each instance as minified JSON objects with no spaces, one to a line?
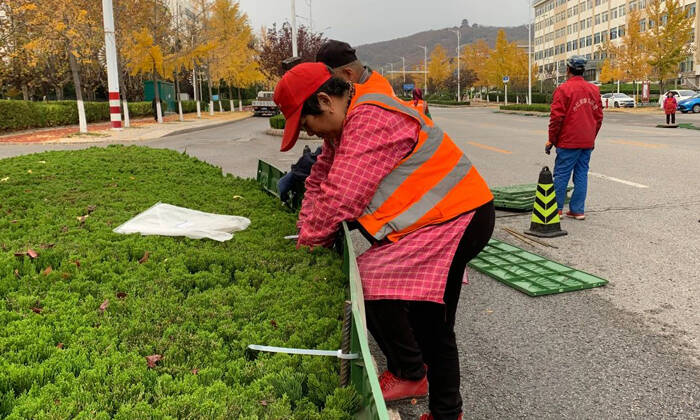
{"x":630,"y":349}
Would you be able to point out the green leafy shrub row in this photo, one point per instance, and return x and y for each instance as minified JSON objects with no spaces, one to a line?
{"x":525,"y":107}
{"x":79,"y":319}
{"x":446,"y":102}
{"x":277,"y":121}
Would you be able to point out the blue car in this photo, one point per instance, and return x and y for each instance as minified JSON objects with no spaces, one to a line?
{"x":691,"y":104}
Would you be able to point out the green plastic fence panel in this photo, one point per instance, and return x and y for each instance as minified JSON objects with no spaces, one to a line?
{"x":268,"y":176}
{"x":362,"y":373}
{"x":530,"y":273}
{"x":517,"y":197}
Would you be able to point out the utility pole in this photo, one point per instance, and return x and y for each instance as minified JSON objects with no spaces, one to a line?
{"x":115,"y":115}
{"x":295,"y":52}
{"x":403,"y":61}
{"x":425,"y":68}
{"x":459,"y":87}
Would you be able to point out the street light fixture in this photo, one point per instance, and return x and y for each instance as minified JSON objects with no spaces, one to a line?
{"x":529,"y":53}
{"x":425,"y":68}
{"x":459,"y":87}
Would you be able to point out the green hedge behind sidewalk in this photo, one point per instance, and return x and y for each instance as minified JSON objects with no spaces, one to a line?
{"x":525,"y":107}
{"x":23,"y":115}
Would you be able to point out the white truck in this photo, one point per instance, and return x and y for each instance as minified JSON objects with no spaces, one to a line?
{"x":263,"y":105}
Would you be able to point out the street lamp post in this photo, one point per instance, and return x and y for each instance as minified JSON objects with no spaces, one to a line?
{"x":425,"y":68}
{"x":529,"y":53}
{"x":403,"y":61}
{"x":459,"y":87}
{"x":294,"y":29}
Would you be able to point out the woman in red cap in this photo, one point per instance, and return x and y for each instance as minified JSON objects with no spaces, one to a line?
{"x":387,"y":169}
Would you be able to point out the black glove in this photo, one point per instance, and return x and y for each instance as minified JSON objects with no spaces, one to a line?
{"x":548,"y":148}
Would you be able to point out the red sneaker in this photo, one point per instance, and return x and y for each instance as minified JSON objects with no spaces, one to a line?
{"x":429,"y":416}
{"x":559,"y":212}
{"x":395,"y":388}
{"x":577,"y":216}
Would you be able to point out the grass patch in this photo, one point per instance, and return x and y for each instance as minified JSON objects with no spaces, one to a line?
{"x":689,"y":126}
{"x":525,"y":107}
{"x":277,"y":121}
{"x":198,"y":303}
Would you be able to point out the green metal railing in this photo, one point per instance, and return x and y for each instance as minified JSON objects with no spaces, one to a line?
{"x":363,"y":375}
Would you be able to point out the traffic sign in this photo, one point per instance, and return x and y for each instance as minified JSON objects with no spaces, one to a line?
{"x":506,"y":79}
{"x":408,"y":86}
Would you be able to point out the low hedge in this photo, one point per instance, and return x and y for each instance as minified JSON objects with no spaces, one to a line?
{"x":447,"y":102}
{"x":525,"y":107}
{"x":277,"y":121}
{"x":80,"y":316}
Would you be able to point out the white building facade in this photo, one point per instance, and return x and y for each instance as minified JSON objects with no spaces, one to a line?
{"x":563,"y":28}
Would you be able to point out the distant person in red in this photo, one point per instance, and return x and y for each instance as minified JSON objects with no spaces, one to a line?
{"x":419,"y":103}
{"x":670,"y":106}
{"x":575,"y":119}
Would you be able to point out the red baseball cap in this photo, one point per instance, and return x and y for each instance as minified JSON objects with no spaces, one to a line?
{"x":297,"y":85}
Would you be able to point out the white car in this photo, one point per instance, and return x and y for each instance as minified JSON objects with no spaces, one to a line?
{"x":679,"y":94}
{"x":617,"y":100}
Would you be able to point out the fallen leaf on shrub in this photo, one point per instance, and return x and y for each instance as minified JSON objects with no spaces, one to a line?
{"x":153,"y":359}
{"x":195,"y":371}
{"x":263,"y":403}
{"x":65,"y":275}
{"x":273,"y":323}
{"x":4,"y":247}
{"x":5,"y":179}
{"x":13,"y":221}
{"x":20,"y":254}
{"x":144,"y":258}
{"x":236,"y":197}
{"x":104,"y":305}
{"x":91,"y":208}
{"x":47,"y":271}
{"x":32,"y":254}
{"x":47,"y":246}
{"x":81,"y":219}
{"x":64,"y":229}
{"x":131,"y":177}
{"x":77,"y":263}
{"x":36,"y":310}
{"x":59,"y":345}
{"x":29,"y":171}
{"x":42,"y":161}
{"x":121,"y":295}
{"x":27,"y":191}
{"x":16,"y":273}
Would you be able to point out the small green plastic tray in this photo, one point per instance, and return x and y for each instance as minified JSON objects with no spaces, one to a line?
{"x":530,"y":273}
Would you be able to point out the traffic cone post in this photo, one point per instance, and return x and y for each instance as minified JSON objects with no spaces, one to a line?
{"x":545,"y":221}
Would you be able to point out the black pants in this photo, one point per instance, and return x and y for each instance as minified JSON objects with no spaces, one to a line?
{"x":413,"y":333}
{"x":671,"y":118}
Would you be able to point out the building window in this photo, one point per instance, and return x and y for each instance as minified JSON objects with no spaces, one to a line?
{"x":589,"y":22}
{"x":604,"y":17}
{"x":596,"y":38}
{"x":589,"y":40}
{"x":621,"y":10}
{"x":621,"y":31}
{"x":613,"y":13}
{"x":613,"y":33}
{"x":642,"y":25}
{"x":597,"y":19}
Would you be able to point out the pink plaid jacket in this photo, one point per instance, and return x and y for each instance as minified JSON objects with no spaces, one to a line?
{"x":342,"y":183}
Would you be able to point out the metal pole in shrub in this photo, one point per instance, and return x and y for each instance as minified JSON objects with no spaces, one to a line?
{"x":115,"y":115}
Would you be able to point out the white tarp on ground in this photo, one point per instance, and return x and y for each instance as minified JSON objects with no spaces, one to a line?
{"x":168,"y":220}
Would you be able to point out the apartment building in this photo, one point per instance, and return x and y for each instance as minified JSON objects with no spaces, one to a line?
{"x":566,"y":27}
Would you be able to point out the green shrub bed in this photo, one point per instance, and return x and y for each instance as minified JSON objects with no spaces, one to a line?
{"x":277,"y":121}
{"x":82,"y":307}
{"x":525,"y":107}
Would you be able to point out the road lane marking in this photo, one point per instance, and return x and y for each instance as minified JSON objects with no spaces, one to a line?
{"x":491,"y":148}
{"x":640,"y":144}
{"x":621,"y":181}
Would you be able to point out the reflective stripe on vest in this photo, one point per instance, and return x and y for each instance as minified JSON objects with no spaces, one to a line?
{"x":421,"y":181}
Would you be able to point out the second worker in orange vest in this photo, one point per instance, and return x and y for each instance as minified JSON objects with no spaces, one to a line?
{"x":416,"y":196}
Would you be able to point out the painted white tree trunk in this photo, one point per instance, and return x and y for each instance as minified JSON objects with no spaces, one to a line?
{"x":179,"y":110}
{"x":211,"y":107}
{"x":159,"y":112}
{"x":221,"y":108}
{"x":125,"y":105}
{"x":199,"y":110}
{"x":233,"y":108}
{"x":81,"y":116}
{"x":240,"y":105}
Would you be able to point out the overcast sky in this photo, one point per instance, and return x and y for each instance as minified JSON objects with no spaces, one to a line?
{"x":365,"y":21}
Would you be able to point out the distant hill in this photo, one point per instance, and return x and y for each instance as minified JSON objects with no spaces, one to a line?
{"x":385,"y":52}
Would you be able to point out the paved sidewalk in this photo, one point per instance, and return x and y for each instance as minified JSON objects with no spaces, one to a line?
{"x":141,"y":129}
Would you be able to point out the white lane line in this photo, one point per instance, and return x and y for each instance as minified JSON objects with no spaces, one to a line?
{"x":621,"y":181}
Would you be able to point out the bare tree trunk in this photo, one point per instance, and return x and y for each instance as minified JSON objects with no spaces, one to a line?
{"x":218,"y":91}
{"x":177,"y":93}
{"x":25,"y":92}
{"x":59,"y":92}
{"x":82,"y":121}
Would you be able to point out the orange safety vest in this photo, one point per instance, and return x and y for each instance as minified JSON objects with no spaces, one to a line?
{"x":435,"y":183}
{"x":419,"y":106}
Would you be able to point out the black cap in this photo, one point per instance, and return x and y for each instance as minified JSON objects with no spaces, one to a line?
{"x":335,"y":54}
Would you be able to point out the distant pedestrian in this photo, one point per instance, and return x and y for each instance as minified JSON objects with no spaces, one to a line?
{"x":420,"y":103}
{"x":670,"y":106}
{"x":575,"y":119}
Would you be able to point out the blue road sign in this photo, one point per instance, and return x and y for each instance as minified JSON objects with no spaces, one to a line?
{"x":506,"y":79}
{"x":408,"y":86}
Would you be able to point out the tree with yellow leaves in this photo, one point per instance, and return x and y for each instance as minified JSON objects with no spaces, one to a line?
{"x":17,"y":66}
{"x":632,"y":54}
{"x":474,"y":57}
{"x":668,"y":37}
{"x":506,"y":59}
{"x":145,"y":56}
{"x":439,"y":68}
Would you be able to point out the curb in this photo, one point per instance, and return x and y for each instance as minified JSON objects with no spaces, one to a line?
{"x":525,"y":113}
{"x":202,"y":127}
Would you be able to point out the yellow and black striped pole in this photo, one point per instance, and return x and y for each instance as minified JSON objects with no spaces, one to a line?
{"x":545,"y":215}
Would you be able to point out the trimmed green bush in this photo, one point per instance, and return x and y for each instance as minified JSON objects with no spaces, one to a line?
{"x":277,"y":121}
{"x":79,"y":319}
{"x":525,"y":107}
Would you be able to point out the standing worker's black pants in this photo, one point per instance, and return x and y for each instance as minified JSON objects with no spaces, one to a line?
{"x":412,"y":333}
{"x":671,"y":118}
